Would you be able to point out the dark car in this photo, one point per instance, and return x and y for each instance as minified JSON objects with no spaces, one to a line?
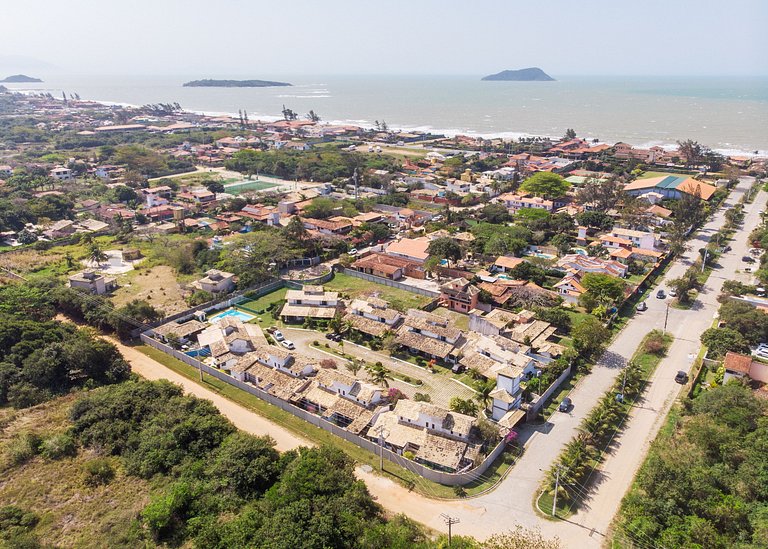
{"x":727,"y":249}
{"x":329,"y":335}
{"x":660,"y":294}
{"x":681,"y":377}
{"x":565,"y":405}
{"x":748,"y":259}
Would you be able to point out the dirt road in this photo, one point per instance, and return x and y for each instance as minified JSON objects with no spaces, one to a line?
{"x":243,"y":418}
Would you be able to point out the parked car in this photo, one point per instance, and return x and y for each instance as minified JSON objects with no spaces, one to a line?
{"x":727,"y":248}
{"x":672,"y":293}
{"x":660,"y":294}
{"x":329,"y":335}
{"x":288,"y":344}
{"x":336,"y":337}
{"x":642,"y":306}
{"x":353,"y":251}
{"x":681,"y":377}
{"x":748,"y":259}
{"x":278,"y":335}
{"x":761,"y":351}
{"x":565,"y":404}
{"x":457,"y":368}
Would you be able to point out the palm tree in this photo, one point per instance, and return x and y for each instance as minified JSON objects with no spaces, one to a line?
{"x":96,"y":255}
{"x":379,"y":374}
{"x":484,"y":390}
{"x":354,"y":366}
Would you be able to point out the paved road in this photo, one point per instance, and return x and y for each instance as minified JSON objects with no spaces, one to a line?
{"x":440,"y":387}
{"x":510,"y":503}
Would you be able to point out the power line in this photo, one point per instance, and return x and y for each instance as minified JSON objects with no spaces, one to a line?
{"x":450,"y":521}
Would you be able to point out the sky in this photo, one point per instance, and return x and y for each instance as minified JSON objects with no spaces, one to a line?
{"x":262,"y":39}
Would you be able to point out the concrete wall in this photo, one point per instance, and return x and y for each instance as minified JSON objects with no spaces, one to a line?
{"x":391,"y":283}
{"x":534,"y":409}
{"x":449,"y":479}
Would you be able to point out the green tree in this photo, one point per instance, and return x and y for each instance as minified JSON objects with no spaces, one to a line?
{"x":546,"y":184}
{"x":463,"y":406}
{"x":603,"y":288}
{"x":590,"y":337}
{"x":445,"y":248}
{"x":320,"y":208}
{"x":721,"y":340}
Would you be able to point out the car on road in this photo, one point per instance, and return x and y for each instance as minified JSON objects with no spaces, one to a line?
{"x":353,"y":251}
{"x":642,"y":306}
{"x":660,"y":294}
{"x":672,"y":293}
{"x":681,"y":377}
{"x":288,"y":344}
{"x":565,"y":404}
{"x":278,"y":335}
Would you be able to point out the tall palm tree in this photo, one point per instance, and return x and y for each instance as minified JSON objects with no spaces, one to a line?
{"x":96,"y":255}
{"x":484,"y":390}
{"x":379,"y":374}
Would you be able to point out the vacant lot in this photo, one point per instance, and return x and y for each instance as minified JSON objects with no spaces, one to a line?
{"x":158,"y":286}
{"x":357,"y":287}
{"x":71,"y":513}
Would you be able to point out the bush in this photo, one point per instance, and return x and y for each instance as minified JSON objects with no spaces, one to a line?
{"x":655,"y":344}
{"x":98,"y":471}
{"x":422,"y":397}
{"x":22,"y":448}
{"x":328,"y":363}
{"x":460,"y":491}
{"x":58,"y":446}
{"x":409,"y":455}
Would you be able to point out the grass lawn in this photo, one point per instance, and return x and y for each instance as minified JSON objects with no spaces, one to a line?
{"x":246,"y":186}
{"x":649,"y":174}
{"x":357,"y":287}
{"x":261,"y":304}
{"x":319,"y":436}
{"x":459,"y":320}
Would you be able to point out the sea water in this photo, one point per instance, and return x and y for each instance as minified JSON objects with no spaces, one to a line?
{"x":729,"y":114}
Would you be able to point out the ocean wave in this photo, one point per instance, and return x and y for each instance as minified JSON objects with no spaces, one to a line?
{"x":293,"y":96}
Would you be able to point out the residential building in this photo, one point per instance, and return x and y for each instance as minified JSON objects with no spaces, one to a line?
{"x":671,"y":186}
{"x":216,"y":282}
{"x":62,"y":174}
{"x":739,"y":366}
{"x":430,"y":335}
{"x":309,"y":302}
{"x":586,"y":264}
{"x":92,"y":282}
{"x":412,"y":249}
{"x":459,"y":295}
{"x":515,"y":202}
{"x":372,"y":316}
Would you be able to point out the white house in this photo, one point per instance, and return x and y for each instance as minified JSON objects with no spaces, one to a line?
{"x":309,"y":302}
{"x":433,"y":418}
{"x":372,"y":316}
{"x":61,"y":173}
{"x":216,"y":282}
{"x":92,"y":282}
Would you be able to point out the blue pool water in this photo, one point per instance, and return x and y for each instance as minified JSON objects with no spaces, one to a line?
{"x":245,"y":317}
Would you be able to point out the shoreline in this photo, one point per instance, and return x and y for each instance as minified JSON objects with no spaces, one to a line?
{"x":447,"y":132}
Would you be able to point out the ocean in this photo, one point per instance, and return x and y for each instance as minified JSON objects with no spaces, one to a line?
{"x":728,"y":114}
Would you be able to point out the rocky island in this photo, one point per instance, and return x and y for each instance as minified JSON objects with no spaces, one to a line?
{"x":20,"y":78}
{"x":207,"y":83}
{"x":531,"y":74}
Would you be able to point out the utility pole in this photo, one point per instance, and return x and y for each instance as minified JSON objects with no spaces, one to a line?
{"x":355,"y":177}
{"x":557,"y":487}
{"x":666,"y":318}
{"x":704,"y":261}
{"x":382,"y":434}
{"x":450,"y":521}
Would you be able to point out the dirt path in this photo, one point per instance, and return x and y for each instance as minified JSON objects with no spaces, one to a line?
{"x":242,"y":418}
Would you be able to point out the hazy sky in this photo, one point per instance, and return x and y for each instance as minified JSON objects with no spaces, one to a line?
{"x":264,"y":38}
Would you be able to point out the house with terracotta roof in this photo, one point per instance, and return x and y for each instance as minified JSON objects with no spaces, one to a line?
{"x":430,"y":335}
{"x":412,"y":249}
{"x":505,"y":263}
{"x":459,"y":295}
{"x":515,"y":202}
{"x":372,"y":316}
{"x":738,"y":366}
{"x":309,"y":302}
{"x":586,"y":264}
{"x":671,"y":186}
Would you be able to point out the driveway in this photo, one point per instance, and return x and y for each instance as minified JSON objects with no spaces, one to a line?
{"x":441,"y":388}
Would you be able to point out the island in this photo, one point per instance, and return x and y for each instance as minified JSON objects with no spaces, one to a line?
{"x":207,"y":83}
{"x":531,"y":74}
{"x":20,"y":78}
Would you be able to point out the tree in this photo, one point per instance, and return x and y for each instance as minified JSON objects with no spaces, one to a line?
{"x":605,"y":289}
{"x":495,"y":213}
{"x":463,"y":406}
{"x":691,"y":151}
{"x":589,"y":337}
{"x":721,"y":340}
{"x":570,"y":133}
{"x":546,"y":184}
{"x":313,"y":116}
{"x":354,"y":366}
{"x":597,"y":219}
{"x":379,"y":374}
{"x":602,"y":196}
{"x":214,"y":186}
{"x":320,"y":208}
{"x":685,"y":284}
{"x":251,"y":255}
{"x":245,"y":464}
{"x":95,"y":254}
{"x":484,"y":390}
{"x":445,"y":248}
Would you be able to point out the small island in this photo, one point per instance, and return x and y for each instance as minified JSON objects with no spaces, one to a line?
{"x":531,"y":74}
{"x":20,"y":78}
{"x":207,"y":83}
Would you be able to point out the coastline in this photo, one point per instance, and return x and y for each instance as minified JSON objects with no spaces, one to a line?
{"x":448,"y":132}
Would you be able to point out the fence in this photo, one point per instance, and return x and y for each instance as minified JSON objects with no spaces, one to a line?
{"x":392,"y":283}
{"x":297,"y":284}
{"x":535,"y":407}
{"x":448,"y":479}
{"x":214,"y":305}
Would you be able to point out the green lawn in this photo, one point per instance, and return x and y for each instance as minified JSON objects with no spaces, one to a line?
{"x":264,"y":320}
{"x":356,"y":287}
{"x":649,"y":174}
{"x":320,"y":436}
{"x":246,"y":186}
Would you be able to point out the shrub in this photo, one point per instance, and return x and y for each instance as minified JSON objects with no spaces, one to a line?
{"x":422,"y":397}
{"x":655,"y":344}
{"x":58,"y":446}
{"x":99,"y":471}
{"x":459,"y":491}
{"x":328,"y":363}
{"x":409,"y":455}
{"x":23,"y":447}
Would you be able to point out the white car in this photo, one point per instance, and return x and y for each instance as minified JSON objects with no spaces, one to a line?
{"x":353,"y":251}
{"x":672,"y":293}
{"x":761,"y":351}
{"x":288,"y":344}
{"x":278,"y":335}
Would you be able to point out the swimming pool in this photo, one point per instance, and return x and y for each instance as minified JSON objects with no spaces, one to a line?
{"x":232,"y":313}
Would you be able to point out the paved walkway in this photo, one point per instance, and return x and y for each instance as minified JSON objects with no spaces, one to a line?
{"x":440,"y":387}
